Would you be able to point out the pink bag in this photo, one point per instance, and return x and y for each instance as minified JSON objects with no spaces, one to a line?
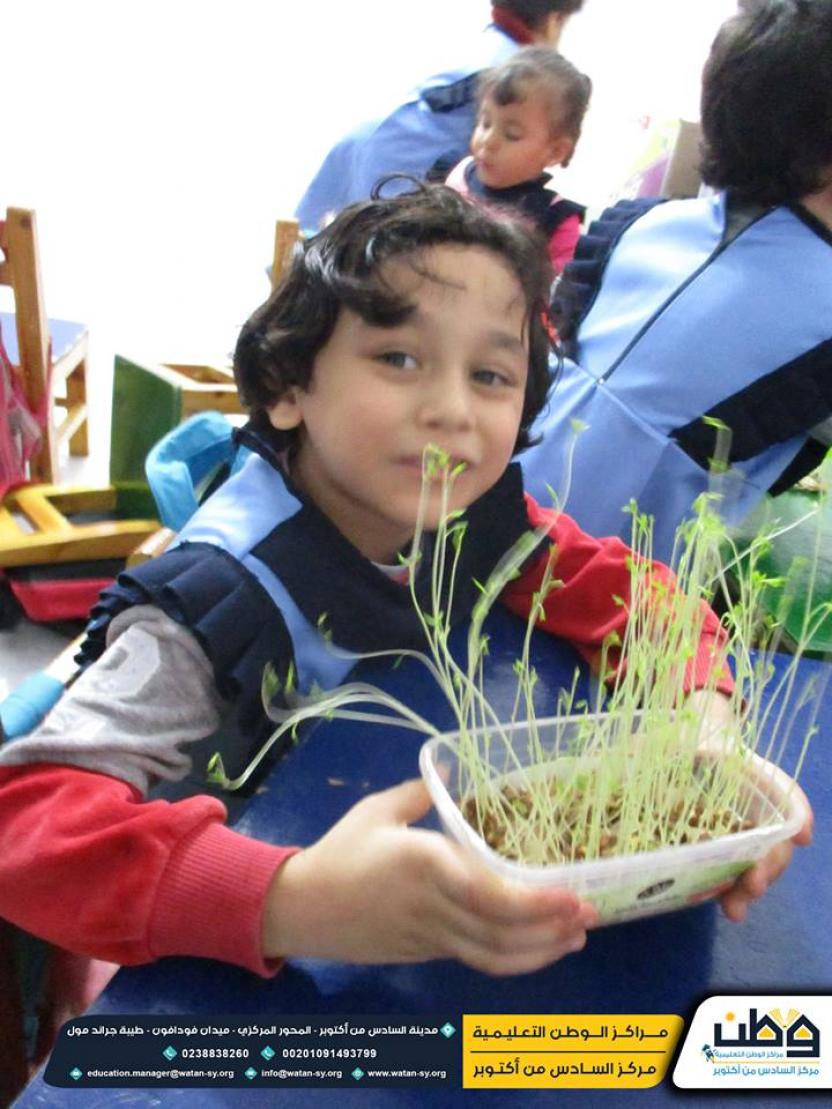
{"x":20,"y":433}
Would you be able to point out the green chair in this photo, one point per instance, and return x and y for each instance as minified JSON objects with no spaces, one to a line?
{"x":150,"y":399}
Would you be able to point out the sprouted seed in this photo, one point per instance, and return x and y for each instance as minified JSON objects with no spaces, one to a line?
{"x":641,"y":769}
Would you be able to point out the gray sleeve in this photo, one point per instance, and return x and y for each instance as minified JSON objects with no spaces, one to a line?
{"x":132,"y":713}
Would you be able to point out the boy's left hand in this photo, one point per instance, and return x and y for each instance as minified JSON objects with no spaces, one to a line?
{"x":755,"y":881}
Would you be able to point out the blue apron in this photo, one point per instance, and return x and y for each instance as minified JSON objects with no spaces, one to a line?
{"x":684,"y":323}
{"x":432,"y":126}
{"x":260,"y":575}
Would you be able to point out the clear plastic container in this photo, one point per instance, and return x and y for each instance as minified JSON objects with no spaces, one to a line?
{"x":624,"y":887}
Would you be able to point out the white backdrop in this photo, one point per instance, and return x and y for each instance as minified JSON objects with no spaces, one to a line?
{"x":159,"y":140}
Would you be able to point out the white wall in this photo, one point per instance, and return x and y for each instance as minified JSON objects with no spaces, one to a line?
{"x":159,"y":139}
{"x":645,"y":59}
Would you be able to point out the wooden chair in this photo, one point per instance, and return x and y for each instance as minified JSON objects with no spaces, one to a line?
{"x":182,"y":469}
{"x":51,"y":354}
{"x":45,"y":524}
{"x":286,"y":237}
{"x":166,"y":395}
{"x":170,"y":392}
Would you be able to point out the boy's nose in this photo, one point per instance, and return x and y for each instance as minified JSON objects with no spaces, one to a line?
{"x":446,"y":403}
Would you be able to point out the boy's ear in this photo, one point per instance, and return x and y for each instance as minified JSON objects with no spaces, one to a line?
{"x":561,"y":150}
{"x":286,"y":413}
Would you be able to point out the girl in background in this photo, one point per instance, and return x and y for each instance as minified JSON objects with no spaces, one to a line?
{"x":531,"y":109}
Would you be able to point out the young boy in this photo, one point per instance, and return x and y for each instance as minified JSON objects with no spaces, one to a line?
{"x":530,"y":113}
{"x":408,"y":321}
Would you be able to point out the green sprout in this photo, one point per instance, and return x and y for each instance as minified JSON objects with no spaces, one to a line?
{"x":640,"y":768}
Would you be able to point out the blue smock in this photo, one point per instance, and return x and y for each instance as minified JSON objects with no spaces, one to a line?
{"x":433,"y":125}
{"x":687,"y":320}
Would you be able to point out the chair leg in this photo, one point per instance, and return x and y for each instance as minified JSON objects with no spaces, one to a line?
{"x":76,"y":402}
{"x":43,"y":465}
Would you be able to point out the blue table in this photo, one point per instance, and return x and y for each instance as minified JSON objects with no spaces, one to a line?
{"x":661,"y":965}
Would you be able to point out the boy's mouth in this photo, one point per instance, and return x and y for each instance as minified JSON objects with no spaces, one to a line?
{"x":414,"y":462}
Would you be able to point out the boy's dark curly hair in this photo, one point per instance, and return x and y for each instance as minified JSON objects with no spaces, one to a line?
{"x":340,"y":268}
{"x":767,"y":101}
{"x":565,"y":88}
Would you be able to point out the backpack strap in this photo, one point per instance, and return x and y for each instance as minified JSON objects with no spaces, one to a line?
{"x":449,"y":98}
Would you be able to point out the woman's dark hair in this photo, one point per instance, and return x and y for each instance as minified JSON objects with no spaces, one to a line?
{"x":566,"y":89}
{"x":767,"y":101}
{"x":533,"y":12}
{"x":340,"y":268}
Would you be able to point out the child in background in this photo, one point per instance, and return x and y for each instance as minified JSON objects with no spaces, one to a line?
{"x":411,"y":320}
{"x":530,"y":113}
{"x":711,"y":312}
{"x":427,"y":133}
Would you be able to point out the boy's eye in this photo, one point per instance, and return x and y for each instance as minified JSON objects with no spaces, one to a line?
{"x":490,"y":378}
{"x":398,"y":358}
{"x":514,"y":136}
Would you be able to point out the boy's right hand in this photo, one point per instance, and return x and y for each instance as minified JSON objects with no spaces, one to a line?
{"x":373,"y":890}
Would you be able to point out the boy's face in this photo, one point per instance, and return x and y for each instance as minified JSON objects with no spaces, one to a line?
{"x":513,"y":143}
{"x":453,"y":375}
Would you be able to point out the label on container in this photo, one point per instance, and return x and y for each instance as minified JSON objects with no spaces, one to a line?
{"x":661,"y":893}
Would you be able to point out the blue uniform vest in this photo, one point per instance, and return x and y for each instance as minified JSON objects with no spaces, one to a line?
{"x":433,"y":125}
{"x":686,"y":321}
{"x":260,"y":575}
